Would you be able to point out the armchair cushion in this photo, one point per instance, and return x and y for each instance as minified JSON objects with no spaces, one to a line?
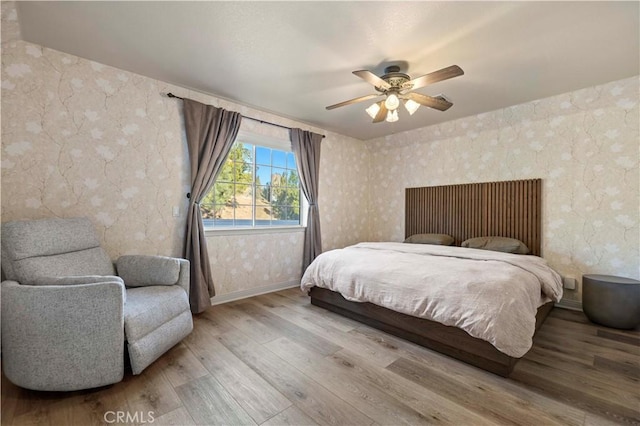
{"x":33,"y":238}
{"x":155,"y":319}
{"x":139,"y":270}
{"x":148,"y":307}
{"x":85,"y":262}
{"x":52,"y":248}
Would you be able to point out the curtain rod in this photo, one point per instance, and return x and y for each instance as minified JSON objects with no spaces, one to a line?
{"x":171,"y":95}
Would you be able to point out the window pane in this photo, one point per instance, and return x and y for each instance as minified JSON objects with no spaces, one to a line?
{"x":292,"y":178}
{"x":295,"y":213}
{"x":222,"y":211}
{"x":278,"y":158}
{"x":291,"y":161}
{"x":263,"y":155}
{"x":284,"y":197}
{"x":247,"y":152}
{"x":243,"y":172}
{"x":208,"y":211}
{"x":239,"y":152}
{"x":263,"y":175}
{"x":226,"y":174}
{"x":285,"y":216}
{"x":243,"y":194}
{"x":223,"y":193}
{"x":219,"y":223}
{"x":278,"y":177}
{"x":223,"y":215}
{"x":278,"y":212}
{"x":208,"y":199}
{"x":277,"y":196}
{"x":244,"y":215}
{"x":263,"y":212}
{"x":293,"y":196}
{"x":256,"y":186}
{"x":263,"y":195}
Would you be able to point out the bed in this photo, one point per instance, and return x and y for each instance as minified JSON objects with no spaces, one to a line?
{"x":510,"y":209}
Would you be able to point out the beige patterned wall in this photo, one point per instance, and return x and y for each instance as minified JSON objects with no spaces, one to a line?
{"x":80,"y":138}
{"x":583,"y":144}
{"x":83,"y":139}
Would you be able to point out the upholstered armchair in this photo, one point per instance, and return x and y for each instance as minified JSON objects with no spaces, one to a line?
{"x":68,"y":311}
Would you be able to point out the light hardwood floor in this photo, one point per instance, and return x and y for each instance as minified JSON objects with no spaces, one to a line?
{"x":277,"y":360}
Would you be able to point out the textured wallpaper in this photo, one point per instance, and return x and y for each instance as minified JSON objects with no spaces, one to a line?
{"x":81,"y":138}
{"x":583,"y":144}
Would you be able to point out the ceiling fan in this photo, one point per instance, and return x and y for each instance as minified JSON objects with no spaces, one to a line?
{"x":397,"y":86}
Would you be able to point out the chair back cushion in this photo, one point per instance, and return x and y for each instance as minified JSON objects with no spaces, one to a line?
{"x":32,"y":249}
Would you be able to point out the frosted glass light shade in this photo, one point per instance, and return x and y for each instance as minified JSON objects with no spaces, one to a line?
{"x":392,"y":102}
{"x":411,"y":106}
{"x":373,"y":110}
{"x":392,"y":116}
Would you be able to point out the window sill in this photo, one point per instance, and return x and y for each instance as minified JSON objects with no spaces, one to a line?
{"x":209,"y":232}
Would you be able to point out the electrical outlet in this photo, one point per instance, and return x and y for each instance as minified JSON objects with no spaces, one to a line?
{"x":176,"y":211}
{"x":569,"y":283}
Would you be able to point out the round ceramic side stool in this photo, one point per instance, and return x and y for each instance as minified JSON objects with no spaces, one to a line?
{"x":611,"y":301}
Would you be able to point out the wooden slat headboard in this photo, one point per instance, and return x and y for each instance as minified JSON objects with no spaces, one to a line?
{"x":508,"y":209}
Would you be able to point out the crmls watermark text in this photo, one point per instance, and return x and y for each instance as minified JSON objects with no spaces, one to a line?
{"x":140,"y":417}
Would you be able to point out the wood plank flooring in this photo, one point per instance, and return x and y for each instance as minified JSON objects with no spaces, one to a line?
{"x":276,"y":360}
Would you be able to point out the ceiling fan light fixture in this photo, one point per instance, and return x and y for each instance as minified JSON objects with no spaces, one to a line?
{"x":373,"y":110}
{"x":399,"y":88}
{"x":392,"y":102}
{"x":411,"y":106}
{"x":392,"y":116}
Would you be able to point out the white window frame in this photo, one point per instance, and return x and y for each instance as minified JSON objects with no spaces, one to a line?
{"x":274,"y":143}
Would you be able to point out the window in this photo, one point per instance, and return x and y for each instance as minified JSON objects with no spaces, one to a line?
{"x":258,"y":186}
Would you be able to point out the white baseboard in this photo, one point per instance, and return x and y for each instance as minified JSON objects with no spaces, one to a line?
{"x":250,"y":292}
{"x":574,"y":305}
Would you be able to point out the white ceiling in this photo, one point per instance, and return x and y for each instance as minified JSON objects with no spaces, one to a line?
{"x":295,"y":58}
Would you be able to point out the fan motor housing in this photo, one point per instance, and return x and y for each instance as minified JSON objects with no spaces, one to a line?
{"x":394,"y":77}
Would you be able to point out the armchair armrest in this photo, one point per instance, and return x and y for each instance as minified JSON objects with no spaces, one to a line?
{"x":77,"y":279}
{"x":184,"y":280}
{"x":63,"y":337}
{"x":74,"y":280}
{"x":143,"y":270}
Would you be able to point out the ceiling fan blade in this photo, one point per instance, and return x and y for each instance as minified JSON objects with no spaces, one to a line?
{"x":371,"y":78}
{"x":434,"y":77}
{"x":353,"y":101}
{"x":431,"y":102}
{"x":382,"y":113}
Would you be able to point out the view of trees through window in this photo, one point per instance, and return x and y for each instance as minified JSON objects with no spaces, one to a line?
{"x":258,"y":186}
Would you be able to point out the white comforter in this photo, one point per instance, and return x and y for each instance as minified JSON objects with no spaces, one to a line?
{"x":491,"y":295}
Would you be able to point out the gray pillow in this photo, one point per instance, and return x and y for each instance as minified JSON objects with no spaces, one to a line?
{"x":437,"y":239}
{"x":503,"y":244}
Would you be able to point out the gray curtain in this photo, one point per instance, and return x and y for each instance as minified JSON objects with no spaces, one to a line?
{"x":306,"y":147}
{"x":211,"y":132}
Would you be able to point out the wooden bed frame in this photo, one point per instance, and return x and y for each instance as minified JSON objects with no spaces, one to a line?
{"x":509,"y":209}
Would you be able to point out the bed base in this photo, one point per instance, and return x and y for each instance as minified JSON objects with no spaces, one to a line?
{"x":448,"y":340}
